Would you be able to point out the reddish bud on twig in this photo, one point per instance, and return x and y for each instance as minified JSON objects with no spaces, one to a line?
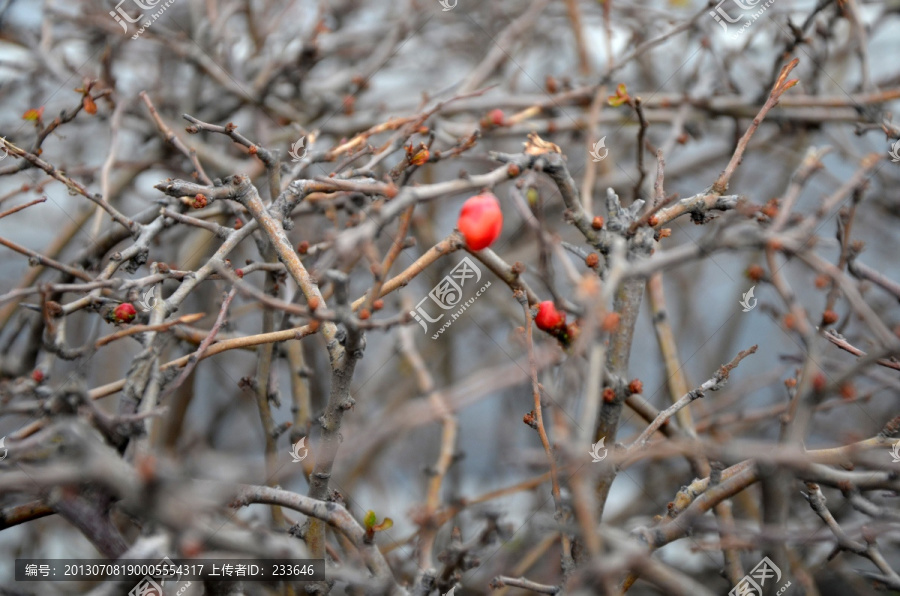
{"x":378,"y":304}
{"x":829,"y":317}
{"x":548,"y":318}
{"x":239,"y":273}
{"x":37,"y":375}
{"x":592,"y":260}
{"x":848,"y":391}
{"x":124,"y":313}
{"x":790,"y":321}
{"x":364,"y":314}
{"x":303,"y":247}
{"x":610,"y":322}
{"x":89,"y":106}
{"x":609,"y":395}
{"x":313,"y":303}
{"x":200,"y":201}
{"x":755,"y":272}
{"x":597,"y":223}
{"x":821,"y":281}
{"x":819,"y":382}
{"x":636,"y":386}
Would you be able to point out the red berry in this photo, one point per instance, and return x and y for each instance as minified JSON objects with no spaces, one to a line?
{"x":548,"y":318}
{"x":497,"y":117}
{"x":124,"y":313}
{"x":480,"y":220}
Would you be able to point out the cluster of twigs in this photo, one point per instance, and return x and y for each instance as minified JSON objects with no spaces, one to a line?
{"x":206,"y":299}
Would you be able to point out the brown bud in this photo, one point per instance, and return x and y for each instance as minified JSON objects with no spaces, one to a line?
{"x":829,"y":317}
{"x":821,"y":281}
{"x":303,"y":247}
{"x":378,"y":304}
{"x":755,"y":272}
{"x":313,"y":303}
{"x":611,"y":322}
{"x":819,"y":382}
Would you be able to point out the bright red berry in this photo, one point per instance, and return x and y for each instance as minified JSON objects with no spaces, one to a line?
{"x":124,"y":313}
{"x":480,"y":220}
{"x":548,"y":318}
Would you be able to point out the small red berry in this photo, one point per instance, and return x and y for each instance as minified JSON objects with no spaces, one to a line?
{"x":592,"y":260}
{"x":364,"y":314}
{"x":548,"y":318}
{"x":497,"y":117}
{"x":480,"y":220}
{"x":378,"y":304}
{"x":597,"y":223}
{"x":124,"y":313}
